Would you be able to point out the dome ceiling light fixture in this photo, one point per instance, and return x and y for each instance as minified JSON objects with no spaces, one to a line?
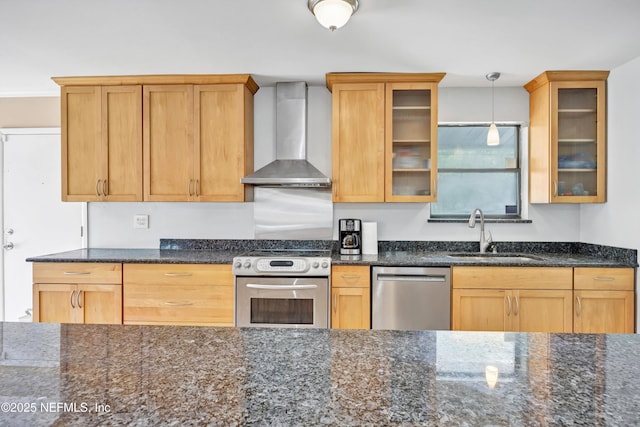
{"x":493,"y":137}
{"x":333,"y":14}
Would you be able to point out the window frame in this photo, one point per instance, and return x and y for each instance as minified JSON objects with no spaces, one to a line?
{"x":520,"y":127}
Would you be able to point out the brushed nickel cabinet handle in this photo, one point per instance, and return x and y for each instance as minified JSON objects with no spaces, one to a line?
{"x":78,"y":303}
{"x":508,"y":305}
{"x":71,"y":301}
{"x":516,"y":307}
{"x":196,"y":187}
{"x":555,"y":188}
{"x":98,"y":187}
{"x":75,"y":273}
{"x":177,"y":304}
{"x":104,"y":187}
{"x":189,"y":187}
{"x":350,"y":276}
{"x":604,"y":279}
{"x":579,"y":309}
{"x":178,"y":274}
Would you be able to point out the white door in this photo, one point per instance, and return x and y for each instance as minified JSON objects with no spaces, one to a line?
{"x":35,"y":220}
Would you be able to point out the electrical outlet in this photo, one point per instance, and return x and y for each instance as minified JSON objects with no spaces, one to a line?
{"x":141,"y":221}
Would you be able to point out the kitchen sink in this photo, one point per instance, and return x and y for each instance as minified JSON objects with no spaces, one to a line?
{"x":476,"y":256}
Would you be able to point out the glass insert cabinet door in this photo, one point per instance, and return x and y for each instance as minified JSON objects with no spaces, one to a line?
{"x":578,"y":141}
{"x":411,"y":142}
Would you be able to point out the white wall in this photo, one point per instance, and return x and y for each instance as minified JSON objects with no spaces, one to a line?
{"x":616,"y":222}
{"x":111,"y":224}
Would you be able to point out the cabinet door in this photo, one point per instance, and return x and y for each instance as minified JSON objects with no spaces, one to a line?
{"x":121,"y":156}
{"x":100,"y":304}
{"x":55,"y":303}
{"x":168,"y":143}
{"x":351,"y":308}
{"x":604,"y":312}
{"x":480,"y":310}
{"x":578,"y":138}
{"x":220,"y":134}
{"x":81,"y":143}
{"x":411,"y":132}
{"x":358,"y":142}
{"x":542,"y":311}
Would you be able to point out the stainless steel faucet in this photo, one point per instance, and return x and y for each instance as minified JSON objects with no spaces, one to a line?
{"x":484,"y":242}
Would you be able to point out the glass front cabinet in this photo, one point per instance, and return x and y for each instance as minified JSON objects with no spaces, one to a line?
{"x":567,"y":137}
{"x":385,"y":130}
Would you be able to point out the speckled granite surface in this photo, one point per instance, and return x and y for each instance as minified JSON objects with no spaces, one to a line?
{"x":88,"y":375}
{"x":402,"y":253}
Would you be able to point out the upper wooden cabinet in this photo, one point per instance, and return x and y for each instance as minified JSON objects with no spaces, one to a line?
{"x":567,"y":137}
{"x":384,"y":132}
{"x":196,"y":130}
{"x":101,"y":143}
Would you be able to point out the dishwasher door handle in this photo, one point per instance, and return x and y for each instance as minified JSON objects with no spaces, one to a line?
{"x":410,"y":278}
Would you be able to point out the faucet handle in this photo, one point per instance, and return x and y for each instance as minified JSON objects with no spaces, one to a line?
{"x":490,"y":238}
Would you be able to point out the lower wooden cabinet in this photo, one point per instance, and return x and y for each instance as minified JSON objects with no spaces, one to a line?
{"x":77,"y":293}
{"x":351,"y":297}
{"x":525,"y":299}
{"x":178,"y":294}
{"x":604,"y":300}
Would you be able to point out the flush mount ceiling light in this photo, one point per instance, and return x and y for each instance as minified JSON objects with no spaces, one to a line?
{"x":493,"y":137}
{"x":333,"y":14}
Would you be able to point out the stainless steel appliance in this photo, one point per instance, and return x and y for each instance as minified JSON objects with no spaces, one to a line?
{"x":283,"y":288}
{"x":411,"y":298}
{"x":350,"y":232}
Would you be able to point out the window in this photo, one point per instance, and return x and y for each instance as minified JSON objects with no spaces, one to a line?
{"x":472,"y":174}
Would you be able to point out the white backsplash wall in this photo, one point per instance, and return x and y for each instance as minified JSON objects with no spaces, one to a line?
{"x":111,"y":224}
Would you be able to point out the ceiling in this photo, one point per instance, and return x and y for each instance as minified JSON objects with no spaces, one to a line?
{"x":278,"y":40}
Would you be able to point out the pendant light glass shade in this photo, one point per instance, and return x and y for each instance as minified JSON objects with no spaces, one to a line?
{"x":493,"y":137}
{"x":333,"y":14}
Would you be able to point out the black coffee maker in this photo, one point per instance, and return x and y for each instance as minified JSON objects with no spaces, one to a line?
{"x":350,"y":236}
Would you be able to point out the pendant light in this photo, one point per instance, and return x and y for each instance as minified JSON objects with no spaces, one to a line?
{"x":493,"y":137}
{"x":332,"y":14}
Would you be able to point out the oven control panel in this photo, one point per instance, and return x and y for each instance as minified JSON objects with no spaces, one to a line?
{"x":304,"y":266}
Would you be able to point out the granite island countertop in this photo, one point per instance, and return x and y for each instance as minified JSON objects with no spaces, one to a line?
{"x":79,"y":375}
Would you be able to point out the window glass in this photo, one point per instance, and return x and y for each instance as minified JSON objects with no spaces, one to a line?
{"x":472,"y":174}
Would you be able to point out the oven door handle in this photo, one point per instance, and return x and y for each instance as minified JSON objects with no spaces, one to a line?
{"x":280,"y":287}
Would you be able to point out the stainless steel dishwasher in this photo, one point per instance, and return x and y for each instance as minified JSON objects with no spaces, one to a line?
{"x":411,"y":298}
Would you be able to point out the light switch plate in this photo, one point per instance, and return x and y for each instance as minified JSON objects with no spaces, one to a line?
{"x":141,"y":221}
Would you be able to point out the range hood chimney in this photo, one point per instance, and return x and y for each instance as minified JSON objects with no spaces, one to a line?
{"x":291,"y":167}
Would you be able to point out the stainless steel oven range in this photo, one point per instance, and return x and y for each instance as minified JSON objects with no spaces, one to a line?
{"x":284,"y":288}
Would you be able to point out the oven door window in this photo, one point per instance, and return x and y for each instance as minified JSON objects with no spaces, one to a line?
{"x":282,"y":311}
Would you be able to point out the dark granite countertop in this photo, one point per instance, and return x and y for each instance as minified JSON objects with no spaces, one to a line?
{"x":81,"y":375}
{"x":419,"y":253}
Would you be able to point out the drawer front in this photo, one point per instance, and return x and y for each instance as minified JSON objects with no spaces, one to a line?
{"x":512,"y":277}
{"x":351,"y":276}
{"x":178,"y":304}
{"x":77,"y":272}
{"x":605,"y":279}
{"x":167,"y":274}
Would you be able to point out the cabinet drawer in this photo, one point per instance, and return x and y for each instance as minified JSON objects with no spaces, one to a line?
{"x":351,"y":276}
{"x":178,"y":304}
{"x":77,"y":272}
{"x":512,"y":277}
{"x":166,"y":274}
{"x":606,"y":279}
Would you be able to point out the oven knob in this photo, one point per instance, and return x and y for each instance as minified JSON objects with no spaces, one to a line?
{"x":325,"y":264}
{"x":315,"y":264}
{"x":247,"y":264}
{"x":238,"y":264}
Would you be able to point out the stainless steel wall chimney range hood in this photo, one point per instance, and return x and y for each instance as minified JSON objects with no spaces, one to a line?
{"x":291,"y":167}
